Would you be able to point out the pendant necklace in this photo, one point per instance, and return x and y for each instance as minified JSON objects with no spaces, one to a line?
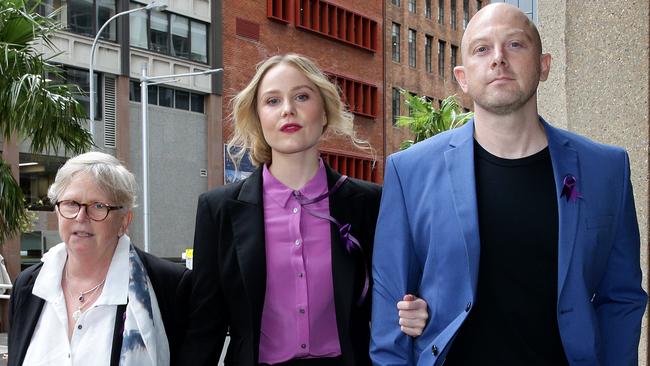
{"x":82,"y":295}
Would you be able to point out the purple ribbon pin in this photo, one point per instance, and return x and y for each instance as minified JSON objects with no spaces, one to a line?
{"x":351,"y":243}
{"x":569,"y":190}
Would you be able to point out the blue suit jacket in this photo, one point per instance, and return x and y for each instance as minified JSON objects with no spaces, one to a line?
{"x":427,"y":242}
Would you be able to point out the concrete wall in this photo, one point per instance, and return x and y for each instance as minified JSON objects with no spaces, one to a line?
{"x":177,"y":153}
{"x":599,"y":86}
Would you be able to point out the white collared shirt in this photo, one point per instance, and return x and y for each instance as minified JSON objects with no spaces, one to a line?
{"x":92,"y":337}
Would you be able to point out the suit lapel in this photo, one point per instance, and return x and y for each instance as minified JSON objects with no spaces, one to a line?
{"x":247,"y":214}
{"x":565,"y":162}
{"x":459,"y":160}
{"x":27,"y":316}
{"x":343,"y":264}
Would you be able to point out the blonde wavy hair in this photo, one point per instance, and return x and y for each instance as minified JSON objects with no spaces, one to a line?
{"x":248,"y":129}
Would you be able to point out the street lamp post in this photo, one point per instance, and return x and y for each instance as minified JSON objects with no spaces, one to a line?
{"x":145,"y":81}
{"x":153,"y":5}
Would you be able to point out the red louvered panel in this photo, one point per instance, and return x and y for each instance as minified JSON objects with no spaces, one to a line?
{"x":248,"y":29}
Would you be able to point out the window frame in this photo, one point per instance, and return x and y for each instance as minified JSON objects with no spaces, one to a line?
{"x":170,"y":43}
{"x":396,"y":42}
{"x":428,"y":53}
{"x":412,"y":47}
{"x":441,"y":58}
{"x":112,"y":27}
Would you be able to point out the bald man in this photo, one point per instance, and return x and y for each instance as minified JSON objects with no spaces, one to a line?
{"x":521,"y":237}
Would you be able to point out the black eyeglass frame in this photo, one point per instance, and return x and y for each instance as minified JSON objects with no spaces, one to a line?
{"x":85,"y":206}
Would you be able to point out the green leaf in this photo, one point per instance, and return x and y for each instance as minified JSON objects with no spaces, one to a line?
{"x":425,"y":121}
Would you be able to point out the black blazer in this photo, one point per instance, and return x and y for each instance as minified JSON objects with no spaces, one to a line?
{"x":171,"y":283}
{"x":229,"y":278}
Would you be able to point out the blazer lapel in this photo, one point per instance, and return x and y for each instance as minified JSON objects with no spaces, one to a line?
{"x":247,"y":214}
{"x":459,"y":160}
{"x":565,"y":162}
{"x":27,"y":317}
{"x":343,"y":264}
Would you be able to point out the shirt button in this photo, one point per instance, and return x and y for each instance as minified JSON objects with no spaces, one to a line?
{"x":303,"y":346}
{"x":79,"y":326}
{"x":434,"y":350}
{"x":300,"y":275}
{"x":295,"y":210}
{"x":297,"y":242}
{"x":302,"y":311}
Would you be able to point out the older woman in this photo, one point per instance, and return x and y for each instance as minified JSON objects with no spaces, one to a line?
{"x":96,"y":299}
{"x":282,"y":258}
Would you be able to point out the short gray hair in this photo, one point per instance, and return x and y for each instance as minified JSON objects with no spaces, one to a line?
{"x":108,"y":173}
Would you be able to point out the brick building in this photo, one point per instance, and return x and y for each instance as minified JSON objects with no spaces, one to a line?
{"x":422,"y":46}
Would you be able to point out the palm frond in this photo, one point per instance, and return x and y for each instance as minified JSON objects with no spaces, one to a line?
{"x":425,"y":121}
{"x":12,"y":211}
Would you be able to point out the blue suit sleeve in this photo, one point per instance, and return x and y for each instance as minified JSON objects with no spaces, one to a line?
{"x":620,"y":300}
{"x":394,"y":272}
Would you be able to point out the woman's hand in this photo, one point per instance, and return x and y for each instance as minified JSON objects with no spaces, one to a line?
{"x":413,"y":315}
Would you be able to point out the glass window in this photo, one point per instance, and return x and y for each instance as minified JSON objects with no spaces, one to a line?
{"x":396,"y":2}
{"x":441,"y":59}
{"x":412,"y":48}
{"x":138,"y":27}
{"x":428,"y":45}
{"x":465,"y":13}
{"x":427,"y":8}
{"x":80,"y":78}
{"x":396,"y":42}
{"x":80,"y":16}
{"x":479,"y":5}
{"x":165,"y":97}
{"x":196,"y":101}
{"x":105,"y":10}
{"x":37,"y":173}
{"x":412,"y":6}
{"x":454,"y":60}
{"x":134,"y":91}
{"x":47,"y":7}
{"x":199,"y":42}
{"x":152,"y":95}
{"x":159,"y":34}
{"x":180,"y":36}
{"x":87,"y":16}
{"x":396,"y":105}
{"x":441,"y":11}
{"x":182,"y":100}
{"x":452,"y":17}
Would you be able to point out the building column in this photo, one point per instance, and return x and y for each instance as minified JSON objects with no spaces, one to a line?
{"x":123,"y":121}
{"x":214,"y":139}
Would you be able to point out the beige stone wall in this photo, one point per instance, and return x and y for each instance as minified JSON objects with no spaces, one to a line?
{"x":599,"y":86}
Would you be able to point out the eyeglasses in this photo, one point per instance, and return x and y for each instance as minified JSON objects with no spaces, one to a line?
{"x":95,"y":211}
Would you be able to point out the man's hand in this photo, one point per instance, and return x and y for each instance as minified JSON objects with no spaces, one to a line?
{"x":413,"y":315}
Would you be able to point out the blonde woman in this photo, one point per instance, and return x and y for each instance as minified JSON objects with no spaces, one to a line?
{"x":282,"y":258}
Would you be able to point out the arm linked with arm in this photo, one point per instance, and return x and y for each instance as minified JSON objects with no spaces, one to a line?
{"x":395,"y":273}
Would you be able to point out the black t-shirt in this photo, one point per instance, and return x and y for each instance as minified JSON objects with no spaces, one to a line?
{"x":513,"y":320}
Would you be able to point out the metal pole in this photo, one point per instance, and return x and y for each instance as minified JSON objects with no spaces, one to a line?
{"x":91,"y":67}
{"x":145,"y":81}
{"x":144,"y":96}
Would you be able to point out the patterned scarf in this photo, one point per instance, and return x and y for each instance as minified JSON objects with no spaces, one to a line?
{"x":144,"y":340}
